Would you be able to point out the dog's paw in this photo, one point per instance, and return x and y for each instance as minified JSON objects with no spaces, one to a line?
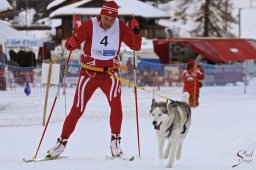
{"x":169,"y":166}
{"x":166,"y":155}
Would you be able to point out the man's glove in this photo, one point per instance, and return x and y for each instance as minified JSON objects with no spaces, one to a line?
{"x":134,"y":25}
{"x":71,"y":43}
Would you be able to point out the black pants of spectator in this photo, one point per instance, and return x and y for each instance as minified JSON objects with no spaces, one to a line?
{"x":2,"y":80}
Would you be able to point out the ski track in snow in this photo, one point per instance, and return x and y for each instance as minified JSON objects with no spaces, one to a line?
{"x":222,"y":125}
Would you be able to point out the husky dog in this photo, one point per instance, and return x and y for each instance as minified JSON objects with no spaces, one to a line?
{"x":171,"y":122}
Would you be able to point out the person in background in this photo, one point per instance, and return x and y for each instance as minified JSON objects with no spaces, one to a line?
{"x":3,"y":62}
{"x":192,"y":79}
{"x":129,"y":66}
{"x":44,"y":53}
{"x":3,"y":57}
{"x":103,"y":36}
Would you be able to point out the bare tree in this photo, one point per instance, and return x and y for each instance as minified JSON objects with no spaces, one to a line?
{"x":212,"y":17}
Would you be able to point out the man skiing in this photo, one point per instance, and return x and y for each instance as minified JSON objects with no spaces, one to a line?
{"x":103,"y":36}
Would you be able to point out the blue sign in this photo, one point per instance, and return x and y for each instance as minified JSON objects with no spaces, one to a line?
{"x":23,"y":43}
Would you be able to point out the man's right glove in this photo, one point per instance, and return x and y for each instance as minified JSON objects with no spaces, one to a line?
{"x":71,"y":43}
{"x":134,"y":25}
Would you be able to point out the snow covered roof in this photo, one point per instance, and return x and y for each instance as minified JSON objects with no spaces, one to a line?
{"x":55,"y":3}
{"x":130,"y":7}
{"x":215,"y":49}
{"x":14,"y":38}
{"x":50,"y":22}
{"x":4,"y":6}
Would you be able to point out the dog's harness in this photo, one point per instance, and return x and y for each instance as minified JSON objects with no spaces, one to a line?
{"x":187,"y":108}
{"x":103,"y":69}
{"x":169,"y":130}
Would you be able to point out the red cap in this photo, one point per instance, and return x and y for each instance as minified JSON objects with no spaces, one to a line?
{"x":110,"y":8}
{"x":191,"y":62}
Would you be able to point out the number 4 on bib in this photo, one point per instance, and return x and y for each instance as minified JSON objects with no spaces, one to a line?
{"x":104,"y":41}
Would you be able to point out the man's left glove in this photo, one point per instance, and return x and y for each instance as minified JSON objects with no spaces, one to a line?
{"x":71,"y":43}
{"x":134,"y":25}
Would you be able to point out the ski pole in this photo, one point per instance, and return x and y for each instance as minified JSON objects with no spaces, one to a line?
{"x":49,"y":117}
{"x":136,"y":102}
{"x":136,"y":98}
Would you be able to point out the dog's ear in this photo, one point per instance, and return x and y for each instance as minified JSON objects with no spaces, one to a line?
{"x":166,"y":101}
{"x":152,"y":105}
{"x":153,"y":101}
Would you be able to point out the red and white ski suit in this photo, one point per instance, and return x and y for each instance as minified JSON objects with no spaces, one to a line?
{"x":101,"y":49}
{"x":192,"y":79}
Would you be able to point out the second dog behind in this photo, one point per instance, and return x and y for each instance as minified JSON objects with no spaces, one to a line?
{"x":171,"y":122}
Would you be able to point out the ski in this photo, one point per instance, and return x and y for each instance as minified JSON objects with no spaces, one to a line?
{"x":120,"y":158}
{"x":45,"y":158}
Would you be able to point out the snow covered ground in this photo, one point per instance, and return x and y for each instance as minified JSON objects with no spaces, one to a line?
{"x":222,"y":125}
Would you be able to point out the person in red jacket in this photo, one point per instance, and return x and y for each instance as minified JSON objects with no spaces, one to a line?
{"x":103,"y":36}
{"x":192,"y":78}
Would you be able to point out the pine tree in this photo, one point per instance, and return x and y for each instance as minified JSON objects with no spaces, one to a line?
{"x":212,"y":17}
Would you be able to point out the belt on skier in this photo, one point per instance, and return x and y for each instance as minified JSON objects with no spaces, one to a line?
{"x":103,"y":69}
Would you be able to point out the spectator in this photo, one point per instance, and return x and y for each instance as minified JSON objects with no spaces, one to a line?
{"x":44,"y":53}
{"x":192,"y":78}
{"x":129,"y":66}
{"x":3,"y":61}
{"x":3,"y":57}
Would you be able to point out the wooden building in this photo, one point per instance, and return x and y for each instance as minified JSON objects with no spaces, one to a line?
{"x":146,"y":14}
{"x":6,"y":10}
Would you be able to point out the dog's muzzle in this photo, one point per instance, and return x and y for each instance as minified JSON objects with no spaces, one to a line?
{"x":157,"y":127}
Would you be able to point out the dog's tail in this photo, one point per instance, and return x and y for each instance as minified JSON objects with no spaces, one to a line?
{"x":185,"y":97}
